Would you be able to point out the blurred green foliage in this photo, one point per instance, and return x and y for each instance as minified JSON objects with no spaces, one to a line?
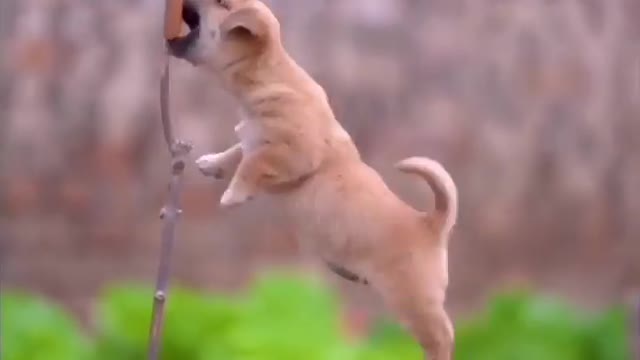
{"x":32,"y":329}
{"x":290,"y":318}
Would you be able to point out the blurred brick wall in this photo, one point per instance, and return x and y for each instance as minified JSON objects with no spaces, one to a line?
{"x":533,"y":105}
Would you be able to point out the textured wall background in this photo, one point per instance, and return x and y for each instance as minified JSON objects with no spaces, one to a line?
{"x":533,"y":105}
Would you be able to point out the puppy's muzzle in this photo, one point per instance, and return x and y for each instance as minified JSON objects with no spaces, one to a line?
{"x":180,"y":46}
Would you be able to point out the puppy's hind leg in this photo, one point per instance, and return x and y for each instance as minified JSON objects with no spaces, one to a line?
{"x":420,"y":306}
{"x":220,"y":165}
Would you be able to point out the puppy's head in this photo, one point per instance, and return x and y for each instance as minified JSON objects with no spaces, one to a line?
{"x":225,"y":32}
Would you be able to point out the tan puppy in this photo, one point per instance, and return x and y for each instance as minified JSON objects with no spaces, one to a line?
{"x":292,"y":146}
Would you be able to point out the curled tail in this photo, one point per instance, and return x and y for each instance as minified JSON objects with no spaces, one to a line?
{"x":442,"y":185}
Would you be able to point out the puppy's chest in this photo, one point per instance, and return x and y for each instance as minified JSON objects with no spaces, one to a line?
{"x":250,"y":133}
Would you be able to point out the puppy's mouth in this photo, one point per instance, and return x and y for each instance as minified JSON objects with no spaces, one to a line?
{"x":179,"y":46}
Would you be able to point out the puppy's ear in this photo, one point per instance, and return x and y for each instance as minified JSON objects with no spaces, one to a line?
{"x":243,"y":22}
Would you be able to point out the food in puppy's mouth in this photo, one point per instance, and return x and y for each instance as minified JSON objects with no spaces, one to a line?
{"x":173,"y":19}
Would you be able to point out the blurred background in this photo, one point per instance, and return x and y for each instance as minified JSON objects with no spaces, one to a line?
{"x":532,"y":105}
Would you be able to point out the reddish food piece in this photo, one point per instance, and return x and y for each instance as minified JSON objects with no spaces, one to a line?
{"x":173,"y":19}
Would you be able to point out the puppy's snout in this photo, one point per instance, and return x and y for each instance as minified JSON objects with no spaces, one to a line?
{"x":179,"y":47}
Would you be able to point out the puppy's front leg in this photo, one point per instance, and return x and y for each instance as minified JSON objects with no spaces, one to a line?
{"x":263,"y":168}
{"x":220,"y":165}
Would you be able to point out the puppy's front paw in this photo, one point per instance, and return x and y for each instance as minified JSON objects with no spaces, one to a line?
{"x":233,"y":197}
{"x":209,"y":165}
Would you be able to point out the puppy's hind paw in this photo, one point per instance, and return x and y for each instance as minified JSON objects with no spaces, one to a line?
{"x":209,"y":165}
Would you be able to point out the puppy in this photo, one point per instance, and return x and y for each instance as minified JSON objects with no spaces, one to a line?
{"x":292,"y":148}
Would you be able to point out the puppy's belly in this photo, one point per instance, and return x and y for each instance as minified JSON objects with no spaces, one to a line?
{"x":347,"y":215}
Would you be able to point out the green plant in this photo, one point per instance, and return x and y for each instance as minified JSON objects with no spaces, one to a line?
{"x":281,"y":317}
{"x":390,"y":341}
{"x":36,"y":330}
{"x":520,"y":325}
{"x":192,"y":322}
{"x":284,"y":317}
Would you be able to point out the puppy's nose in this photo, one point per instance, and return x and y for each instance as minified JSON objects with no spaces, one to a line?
{"x":179,"y":47}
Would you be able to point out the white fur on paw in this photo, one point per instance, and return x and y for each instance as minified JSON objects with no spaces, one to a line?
{"x":206,"y":162}
{"x":209,"y":165}
{"x":230,"y":198}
